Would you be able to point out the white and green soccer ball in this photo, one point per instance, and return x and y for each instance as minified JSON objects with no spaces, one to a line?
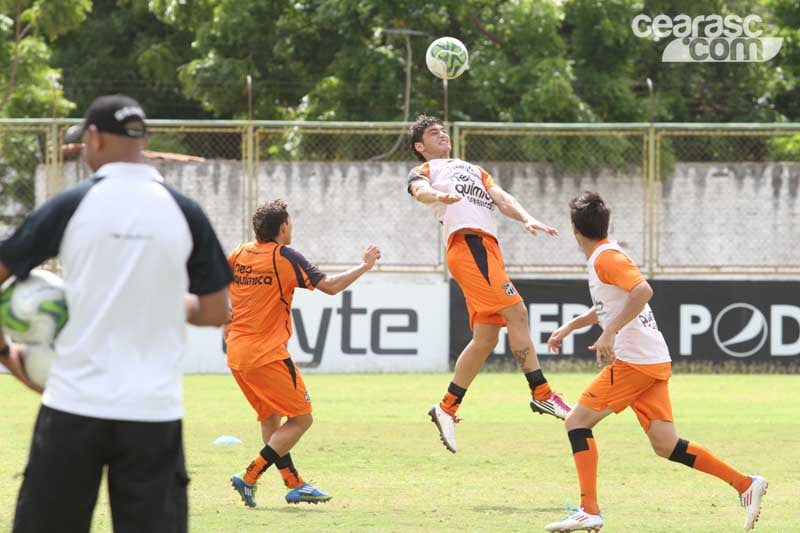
{"x":447,"y":58}
{"x":33,"y":311}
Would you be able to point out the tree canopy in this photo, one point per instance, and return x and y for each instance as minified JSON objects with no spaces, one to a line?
{"x":531,"y":60}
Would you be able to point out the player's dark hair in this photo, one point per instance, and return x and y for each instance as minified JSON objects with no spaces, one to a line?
{"x":590,"y":215}
{"x":268,"y":218}
{"x":422,"y":123}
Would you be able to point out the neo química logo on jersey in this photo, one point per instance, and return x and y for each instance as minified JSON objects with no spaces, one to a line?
{"x":709,"y":38}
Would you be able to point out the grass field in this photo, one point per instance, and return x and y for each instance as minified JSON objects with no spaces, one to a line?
{"x":374,"y":449}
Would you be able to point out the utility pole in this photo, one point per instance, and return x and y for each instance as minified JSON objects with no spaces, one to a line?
{"x":407,"y":34}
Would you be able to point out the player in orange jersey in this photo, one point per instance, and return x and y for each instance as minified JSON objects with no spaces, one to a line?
{"x":636,"y":375}
{"x":266,"y":273}
{"x":464,"y":198}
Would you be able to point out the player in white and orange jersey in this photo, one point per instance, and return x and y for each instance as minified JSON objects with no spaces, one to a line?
{"x":464,"y":198}
{"x":636,"y":375}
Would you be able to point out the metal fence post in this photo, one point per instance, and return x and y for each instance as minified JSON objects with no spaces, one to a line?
{"x":651,"y":201}
{"x":51,"y":159}
{"x":252,"y":177}
{"x":247,"y":180}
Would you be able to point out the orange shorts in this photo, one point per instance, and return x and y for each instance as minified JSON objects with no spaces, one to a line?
{"x":276,"y":388}
{"x":623,"y":384}
{"x":477,"y":265}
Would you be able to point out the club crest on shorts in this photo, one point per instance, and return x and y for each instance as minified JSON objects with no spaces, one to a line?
{"x":509,"y":288}
{"x":308,"y":396}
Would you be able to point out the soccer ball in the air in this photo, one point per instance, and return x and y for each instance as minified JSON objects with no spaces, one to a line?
{"x":447,"y":58}
{"x":33,"y":311}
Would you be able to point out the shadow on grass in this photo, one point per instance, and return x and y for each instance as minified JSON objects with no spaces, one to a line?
{"x":507,"y":509}
{"x":679,"y":366}
{"x":308,"y":508}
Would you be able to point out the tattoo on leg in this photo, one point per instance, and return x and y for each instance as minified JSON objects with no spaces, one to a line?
{"x":521,"y":356}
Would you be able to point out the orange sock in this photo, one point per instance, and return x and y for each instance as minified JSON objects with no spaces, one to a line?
{"x":540,"y":389}
{"x":291,"y":478}
{"x":452,"y":399}
{"x":266,"y":457}
{"x":542,"y":392}
{"x":254,"y":470}
{"x":695,"y":456}
{"x":584,"y":452}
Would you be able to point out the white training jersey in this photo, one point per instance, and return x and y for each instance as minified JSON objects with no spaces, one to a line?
{"x":639,"y":341}
{"x":131,"y":248}
{"x":471,"y":182}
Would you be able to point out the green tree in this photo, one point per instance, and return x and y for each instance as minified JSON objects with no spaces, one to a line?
{"x":123,"y":47}
{"x":333,"y":60}
{"x":612,"y":66}
{"x":786,"y":88}
{"x":29,"y":87}
{"x":531,"y":61}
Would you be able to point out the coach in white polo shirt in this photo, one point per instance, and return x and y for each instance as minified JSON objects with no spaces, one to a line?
{"x":139,"y":261}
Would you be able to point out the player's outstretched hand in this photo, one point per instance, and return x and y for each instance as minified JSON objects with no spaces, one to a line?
{"x":554,"y":342}
{"x":533,"y":227}
{"x":371,"y":255}
{"x":604,"y":348}
{"x":447,"y":198}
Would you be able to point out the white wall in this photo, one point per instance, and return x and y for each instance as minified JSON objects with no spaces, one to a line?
{"x":339,"y":207}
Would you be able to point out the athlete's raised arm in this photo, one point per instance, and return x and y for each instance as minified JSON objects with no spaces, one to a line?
{"x":338,"y":282}
{"x":589,"y":318}
{"x":510,"y":207}
{"x":422,"y":191}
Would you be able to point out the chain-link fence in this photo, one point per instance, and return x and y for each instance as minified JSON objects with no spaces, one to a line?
{"x":545,"y":167}
{"x":727,"y":199}
{"x":345,"y":184}
{"x":685,"y":198}
{"x":24,"y":149}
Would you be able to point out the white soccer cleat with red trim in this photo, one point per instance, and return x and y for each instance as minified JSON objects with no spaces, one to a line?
{"x":579,"y":520}
{"x":751,"y":501}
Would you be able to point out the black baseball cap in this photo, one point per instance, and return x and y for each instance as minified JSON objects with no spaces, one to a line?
{"x":117,"y":114}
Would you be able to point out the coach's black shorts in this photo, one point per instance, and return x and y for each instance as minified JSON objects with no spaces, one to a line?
{"x":147,"y":479}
